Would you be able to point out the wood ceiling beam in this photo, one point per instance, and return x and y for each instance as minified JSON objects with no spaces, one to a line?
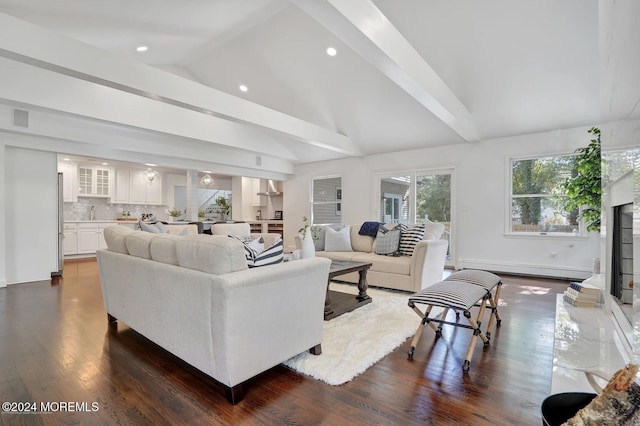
{"x":364,"y":28}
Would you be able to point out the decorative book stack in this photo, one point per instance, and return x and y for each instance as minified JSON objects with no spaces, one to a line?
{"x":583,"y":295}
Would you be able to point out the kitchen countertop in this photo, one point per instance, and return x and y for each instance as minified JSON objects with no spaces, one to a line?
{"x":92,"y":221}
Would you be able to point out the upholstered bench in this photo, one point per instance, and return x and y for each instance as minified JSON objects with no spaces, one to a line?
{"x":491,"y":282}
{"x":457,"y":296}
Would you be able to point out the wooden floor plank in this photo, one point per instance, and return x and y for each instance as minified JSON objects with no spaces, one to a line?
{"x":56,"y":345}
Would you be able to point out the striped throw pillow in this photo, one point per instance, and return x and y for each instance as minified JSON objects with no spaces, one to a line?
{"x":409,"y":237}
{"x":250,"y":249}
{"x":270,"y":256}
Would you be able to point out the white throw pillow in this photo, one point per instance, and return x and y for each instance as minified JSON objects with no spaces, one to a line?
{"x":320,"y":232}
{"x":146,"y":227}
{"x":338,"y":240}
{"x":257,"y":245}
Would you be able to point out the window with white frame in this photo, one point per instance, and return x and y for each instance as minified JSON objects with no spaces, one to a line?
{"x":326,"y":202}
{"x":421,"y":196}
{"x":537,"y":197}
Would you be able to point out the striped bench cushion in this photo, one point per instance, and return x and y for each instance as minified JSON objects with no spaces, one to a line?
{"x":477,"y":277}
{"x":450,"y":294}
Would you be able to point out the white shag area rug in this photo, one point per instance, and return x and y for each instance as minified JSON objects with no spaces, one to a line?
{"x":355,"y":341}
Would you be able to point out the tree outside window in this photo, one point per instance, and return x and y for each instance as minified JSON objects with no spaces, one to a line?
{"x":538,"y":198}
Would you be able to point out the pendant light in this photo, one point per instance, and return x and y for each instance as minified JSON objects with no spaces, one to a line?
{"x":206,"y":180}
{"x":150,"y":174}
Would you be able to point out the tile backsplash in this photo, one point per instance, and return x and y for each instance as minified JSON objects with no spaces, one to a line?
{"x":80,"y":210}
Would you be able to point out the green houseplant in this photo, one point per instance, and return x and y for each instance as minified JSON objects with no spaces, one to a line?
{"x":224,"y":205}
{"x":175,"y":213}
{"x":314,"y":229}
{"x":583,"y":187}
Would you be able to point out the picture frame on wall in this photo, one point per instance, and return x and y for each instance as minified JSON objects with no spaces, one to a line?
{"x":277,"y":215}
{"x":338,"y":198}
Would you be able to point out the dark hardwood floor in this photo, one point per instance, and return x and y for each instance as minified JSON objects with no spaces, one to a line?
{"x":56,"y":346}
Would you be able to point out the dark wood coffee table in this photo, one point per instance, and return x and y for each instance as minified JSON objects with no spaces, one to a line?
{"x":337,"y":303}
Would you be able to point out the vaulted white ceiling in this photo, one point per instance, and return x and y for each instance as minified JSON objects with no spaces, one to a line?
{"x":408,"y":74}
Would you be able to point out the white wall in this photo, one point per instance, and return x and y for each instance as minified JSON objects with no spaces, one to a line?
{"x":482,"y":178}
{"x":30,"y":209}
{"x":3,"y":202}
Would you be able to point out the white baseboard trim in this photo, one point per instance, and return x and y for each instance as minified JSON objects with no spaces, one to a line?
{"x":524,"y":269}
{"x":3,"y":283}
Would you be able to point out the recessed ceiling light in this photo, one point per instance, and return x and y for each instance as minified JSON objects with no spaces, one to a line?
{"x":207,"y":171}
{"x":142,"y":48}
{"x":67,"y":159}
{"x":331,"y":51}
{"x":243,"y":88}
{"x":150,"y":164}
{"x":105,"y":164}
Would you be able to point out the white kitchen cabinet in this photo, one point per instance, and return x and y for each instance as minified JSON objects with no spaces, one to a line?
{"x":90,"y":237}
{"x":68,"y":171}
{"x":133,"y":187}
{"x":122,"y":187}
{"x":70,"y":240}
{"x":93,"y":181}
{"x":259,"y":185}
{"x":141,"y":191}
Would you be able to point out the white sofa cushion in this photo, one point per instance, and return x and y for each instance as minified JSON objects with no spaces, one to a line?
{"x":360,"y":242}
{"x":338,"y":255}
{"x":433,"y":231}
{"x":338,"y":240}
{"x":114,"y":236}
{"x":138,"y":244}
{"x":163,"y":248}
{"x":268,"y":238}
{"x":389,"y":264}
{"x":213,"y":254}
{"x":239,"y":229}
{"x":189,"y":229}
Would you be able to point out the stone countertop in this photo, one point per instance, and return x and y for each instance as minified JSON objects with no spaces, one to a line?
{"x":92,"y":221}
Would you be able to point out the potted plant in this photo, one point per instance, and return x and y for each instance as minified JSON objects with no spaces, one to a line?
{"x":175,"y":213}
{"x":314,"y":229}
{"x":584,"y":188}
{"x":225,"y":207}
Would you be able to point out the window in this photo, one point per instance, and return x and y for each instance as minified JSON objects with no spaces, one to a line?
{"x":395,"y":194}
{"x":537,"y":197}
{"x":432,"y":201}
{"x":326,"y":202}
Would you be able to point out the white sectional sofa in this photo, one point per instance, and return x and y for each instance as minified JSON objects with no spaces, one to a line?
{"x":408,"y":273}
{"x":195,"y":297}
